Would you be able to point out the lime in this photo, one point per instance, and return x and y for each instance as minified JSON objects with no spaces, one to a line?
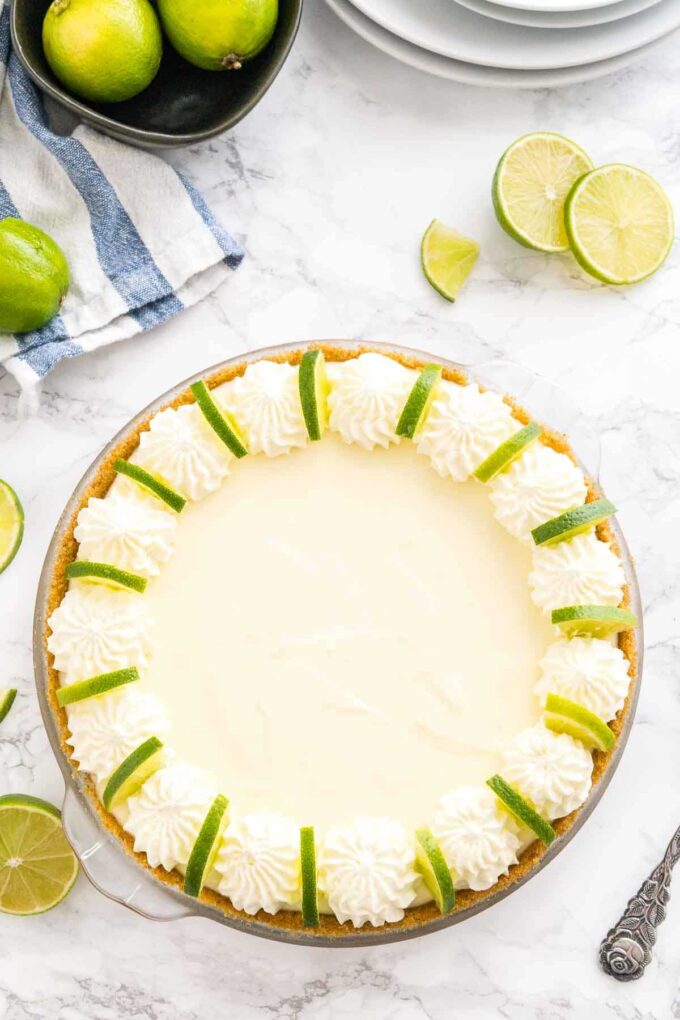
{"x":224,"y":428}
{"x":96,"y":685}
{"x":620,"y":224}
{"x":313,"y":385}
{"x":34,"y":277}
{"x":564,"y":716}
{"x":7,"y":696}
{"x":431,"y":864}
{"x":207,"y":844}
{"x":419,"y":400}
{"x":219,"y":35}
{"x":573,"y":522}
{"x":152,"y":483}
{"x":104,"y":573}
{"x":507,"y":453}
{"x":447,"y":258}
{"x":593,"y":621}
{"x":532,"y":180}
{"x":104,"y":52}
{"x":133,"y":772}
{"x":522,"y":809}
{"x":11,"y":524}
{"x":37,"y":865}
{"x":310,"y":905}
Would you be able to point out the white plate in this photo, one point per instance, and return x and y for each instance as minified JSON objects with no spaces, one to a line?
{"x":443,"y":27}
{"x":557,"y":19}
{"x":471,"y":74}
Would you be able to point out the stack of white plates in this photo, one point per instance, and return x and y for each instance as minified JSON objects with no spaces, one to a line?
{"x":513,"y":43}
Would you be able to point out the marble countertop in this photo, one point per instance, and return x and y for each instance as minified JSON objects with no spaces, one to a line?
{"x":330,"y":183}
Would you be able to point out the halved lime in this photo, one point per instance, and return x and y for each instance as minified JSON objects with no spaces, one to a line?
{"x":431,"y":864}
{"x":507,"y":453}
{"x":532,"y":180}
{"x":222,"y":425}
{"x":573,"y":522}
{"x":37,"y":865}
{"x":204,"y":852}
{"x":522,"y":809}
{"x":105,"y":573}
{"x":96,"y":685}
{"x":564,"y":716}
{"x":447,"y":258}
{"x":7,"y":697}
{"x":313,"y":386}
{"x":593,"y":621}
{"x":419,"y":401}
{"x":133,"y":772}
{"x":620,"y":224}
{"x":310,"y":905}
{"x":11,"y":524}
{"x":151,"y":482}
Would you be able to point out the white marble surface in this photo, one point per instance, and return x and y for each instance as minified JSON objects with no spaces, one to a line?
{"x":330,"y":183}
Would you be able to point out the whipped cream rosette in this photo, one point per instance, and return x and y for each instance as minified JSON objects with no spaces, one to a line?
{"x":479,"y":840}
{"x":265,"y":404}
{"x":580,"y":571}
{"x":367,"y":396}
{"x":551,"y":769}
{"x":259,"y":863}
{"x":588,"y":671}
{"x":127,"y":531}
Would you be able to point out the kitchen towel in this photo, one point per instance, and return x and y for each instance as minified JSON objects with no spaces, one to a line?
{"x":140,"y":240}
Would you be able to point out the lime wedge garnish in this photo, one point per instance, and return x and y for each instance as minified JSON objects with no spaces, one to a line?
{"x":37,"y":865}
{"x":204,"y":852}
{"x":96,"y":685}
{"x":313,"y":386}
{"x":310,"y":905}
{"x":573,"y":522}
{"x":532,"y":180}
{"x":447,"y":258}
{"x":620,"y":224}
{"x":507,"y":453}
{"x":593,"y":621}
{"x":133,"y":772}
{"x":7,"y":696}
{"x":522,"y":809}
{"x":221,"y":424}
{"x":152,"y":483}
{"x":11,"y":524}
{"x":105,"y":573}
{"x":564,"y":716}
{"x":419,"y":401}
{"x":431,"y":864}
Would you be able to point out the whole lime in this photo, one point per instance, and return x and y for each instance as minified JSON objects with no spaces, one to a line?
{"x":219,"y":35}
{"x":34,"y":277}
{"x":103,"y":51}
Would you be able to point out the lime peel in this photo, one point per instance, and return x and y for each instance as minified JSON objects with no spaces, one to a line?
{"x":105,"y":573}
{"x":151,"y":482}
{"x":204,"y":851}
{"x":313,"y":387}
{"x":220,"y":423}
{"x":308,"y":879}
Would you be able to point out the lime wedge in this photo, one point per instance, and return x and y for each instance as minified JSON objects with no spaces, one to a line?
{"x":313,"y":386}
{"x":419,"y":401}
{"x":96,"y":685}
{"x":564,"y":716}
{"x":105,"y":573}
{"x":447,"y":258}
{"x":431,"y":864}
{"x":522,"y":809}
{"x":221,"y":424}
{"x":310,"y":905}
{"x":532,"y":180}
{"x":7,"y":696}
{"x":37,"y":865}
{"x":620,"y":224}
{"x":11,"y":524}
{"x":593,"y":621}
{"x":507,"y":453}
{"x":152,"y":483}
{"x":573,"y":522}
{"x":204,"y":852}
{"x":133,"y":772}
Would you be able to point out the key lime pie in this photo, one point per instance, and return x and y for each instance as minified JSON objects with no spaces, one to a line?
{"x":340,"y":639}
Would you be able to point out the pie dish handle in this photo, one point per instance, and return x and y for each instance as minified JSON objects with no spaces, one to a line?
{"x":111,"y":872}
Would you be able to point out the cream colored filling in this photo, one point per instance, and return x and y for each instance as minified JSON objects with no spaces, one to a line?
{"x":343,"y":633}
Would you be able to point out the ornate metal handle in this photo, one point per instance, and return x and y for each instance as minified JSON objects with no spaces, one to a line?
{"x":627,"y":949}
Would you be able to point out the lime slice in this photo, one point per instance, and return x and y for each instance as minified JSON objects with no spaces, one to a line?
{"x":7,"y":696}
{"x":96,"y":685}
{"x":313,"y":386}
{"x":447,"y":258}
{"x":563,"y":716}
{"x":151,"y":482}
{"x":419,"y":401}
{"x":204,"y":852}
{"x":310,"y":905}
{"x":522,"y":809}
{"x":573,"y":522}
{"x":532,"y":180}
{"x":508,"y":452}
{"x":593,"y":621}
{"x":620,"y":224}
{"x":105,"y":573}
{"x":222,"y":425}
{"x":11,"y":524}
{"x":133,"y":772}
{"x":37,"y":865}
{"x":431,"y":864}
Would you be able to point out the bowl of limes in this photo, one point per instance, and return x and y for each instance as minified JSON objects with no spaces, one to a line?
{"x":161,"y":74}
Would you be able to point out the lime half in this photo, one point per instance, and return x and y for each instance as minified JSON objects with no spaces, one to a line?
{"x":37,"y":865}
{"x":447,"y":258}
{"x":564,"y":716}
{"x":11,"y":524}
{"x":431,"y":864}
{"x":593,"y":621}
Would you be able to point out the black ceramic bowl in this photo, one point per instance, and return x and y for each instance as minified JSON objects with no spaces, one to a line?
{"x":182,"y":105}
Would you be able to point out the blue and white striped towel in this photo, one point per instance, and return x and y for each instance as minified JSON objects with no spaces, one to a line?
{"x":141,"y":242}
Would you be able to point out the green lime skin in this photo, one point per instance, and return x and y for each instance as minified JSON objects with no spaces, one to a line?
{"x":103,"y":52}
{"x":219,"y":35}
{"x":34,"y":277}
